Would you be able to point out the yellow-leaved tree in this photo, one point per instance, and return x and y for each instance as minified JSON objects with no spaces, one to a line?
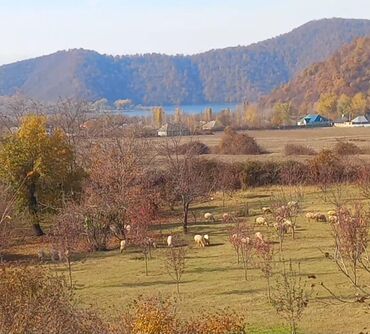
{"x":41,"y":168}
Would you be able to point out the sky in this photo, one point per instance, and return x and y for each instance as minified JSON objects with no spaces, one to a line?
{"x":31,"y":28}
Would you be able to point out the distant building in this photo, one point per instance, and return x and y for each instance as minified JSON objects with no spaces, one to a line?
{"x":360,"y":121}
{"x":342,"y":122}
{"x":213,"y":126}
{"x":314,"y":120}
{"x":173,"y":130}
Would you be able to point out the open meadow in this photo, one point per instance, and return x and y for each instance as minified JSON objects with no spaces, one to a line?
{"x":213,"y":279}
{"x":273,"y":141}
{"x":110,"y":279}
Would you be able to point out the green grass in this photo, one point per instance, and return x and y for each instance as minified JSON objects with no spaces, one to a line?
{"x":213,"y":279}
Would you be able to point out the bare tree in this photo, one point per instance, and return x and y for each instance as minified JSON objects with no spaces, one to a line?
{"x":289,"y":295}
{"x":351,"y":233}
{"x":175,"y":264}
{"x":118,"y":187}
{"x":265,"y":252}
{"x":187,"y":177}
{"x":67,"y":238}
{"x":241,"y":238}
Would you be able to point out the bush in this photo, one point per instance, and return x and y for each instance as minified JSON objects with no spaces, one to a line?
{"x":155,"y":315}
{"x":294,"y":173}
{"x":194,"y":147}
{"x":296,"y":149}
{"x":34,"y":301}
{"x":236,"y":144}
{"x":222,"y":322}
{"x":346,"y":148}
{"x":261,"y":173}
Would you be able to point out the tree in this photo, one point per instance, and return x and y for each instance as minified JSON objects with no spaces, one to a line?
{"x":175,"y":264}
{"x":66,"y":238}
{"x":39,"y":165}
{"x":350,"y":234}
{"x":289,"y":296}
{"x":187,"y":178}
{"x":281,"y":114}
{"x":265,"y":252}
{"x":359,"y":104}
{"x":118,"y":190}
{"x":252,"y":116}
{"x":344,"y":105}
{"x":158,"y":116}
{"x":327,"y":105}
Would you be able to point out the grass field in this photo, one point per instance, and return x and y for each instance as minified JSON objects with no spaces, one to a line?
{"x":273,"y":141}
{"x":213,"y":279}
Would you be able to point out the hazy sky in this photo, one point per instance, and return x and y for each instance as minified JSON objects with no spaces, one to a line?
{"x":30,"y":28}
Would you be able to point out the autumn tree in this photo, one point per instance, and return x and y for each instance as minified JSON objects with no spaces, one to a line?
{"x":253,"y":118}
{"x":158,"y":116}
{"x":118,"y":189}
{"x":327,"y":105}
{"x":7,"y":201}
{"x":281,"y":114}
{"x":359,"y":104}
{"x":344,"y":105}
{"x":39,"y":164}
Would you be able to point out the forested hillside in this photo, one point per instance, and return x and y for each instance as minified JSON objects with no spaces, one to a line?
{"x":225,"y":75}
{"x":334,"y":87}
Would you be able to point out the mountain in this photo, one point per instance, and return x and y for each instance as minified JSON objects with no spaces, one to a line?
{"x":225,"y":75}
{"x":346,"y":72}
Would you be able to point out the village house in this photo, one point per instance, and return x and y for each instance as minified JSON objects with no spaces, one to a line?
{"x":314,"y":120}
{"x":173,"y":129}
{"x":210,"y":126}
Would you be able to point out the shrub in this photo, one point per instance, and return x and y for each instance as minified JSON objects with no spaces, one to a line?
{"x":326,"y":168}
{"x":221,"y":322}
{"x":155,"y":315}
{"x":294,"y":173}
{"x":150,"y":315}
{"x":34,"y":301}
{"x":297,"y":149}
{"x":195,"y":147}
{"x":237,"y":143}
{"x":261,"y":173}
{"x":346,"y":148}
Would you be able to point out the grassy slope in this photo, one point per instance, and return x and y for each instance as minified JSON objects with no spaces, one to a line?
{"x":213,"y":279}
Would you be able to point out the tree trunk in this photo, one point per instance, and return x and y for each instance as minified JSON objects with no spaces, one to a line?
{"x":185,"y":220}
{"x":37,"y":229}
{"x":32,"y":207}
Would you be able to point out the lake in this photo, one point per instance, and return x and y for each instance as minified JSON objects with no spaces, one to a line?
{"x":187,"y":109}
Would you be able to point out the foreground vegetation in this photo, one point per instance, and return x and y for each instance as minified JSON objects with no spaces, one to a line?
{"x":166,"y":239}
